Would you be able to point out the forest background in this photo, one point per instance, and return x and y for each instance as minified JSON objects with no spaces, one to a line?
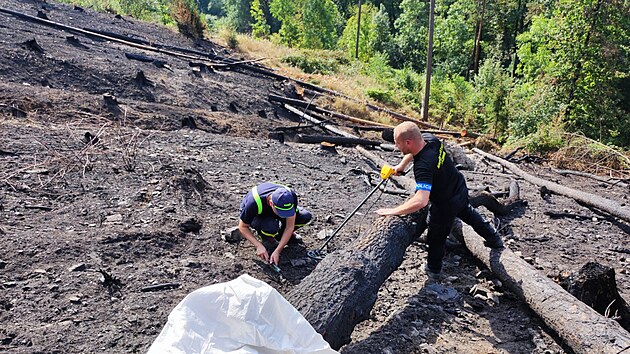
{"x":546,"y":75}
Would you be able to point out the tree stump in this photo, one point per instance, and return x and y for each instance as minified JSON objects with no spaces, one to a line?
{"x":595,"y":286}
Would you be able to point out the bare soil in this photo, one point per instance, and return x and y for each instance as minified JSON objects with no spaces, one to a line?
{"x":86,"y":226}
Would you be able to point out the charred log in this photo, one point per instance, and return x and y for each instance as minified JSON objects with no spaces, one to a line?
{"x":342,"y":289}
{"x":491,"y":203}
{"x":581,"y":327}
{"x":337,"y":140}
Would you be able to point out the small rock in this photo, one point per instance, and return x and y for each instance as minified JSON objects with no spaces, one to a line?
{"x":75,"y":299}
{"x":190,"y":225}
{"x":232,"y":234}
{"x":114,"y":218}
{"x":190,"y":263}
{"x":329,"y":219}
{"x":229,"y":255}
{"x":79,"y":267}
{"x":324,"y":234}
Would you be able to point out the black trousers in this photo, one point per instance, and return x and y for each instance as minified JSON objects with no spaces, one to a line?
{"x":273,"y":226}
{"x":440,"y":223}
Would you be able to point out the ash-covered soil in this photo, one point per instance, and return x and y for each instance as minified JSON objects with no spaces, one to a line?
{"x":88,"y":226}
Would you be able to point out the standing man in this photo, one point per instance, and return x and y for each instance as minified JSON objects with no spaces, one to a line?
{"x":438,"y":181}
{"x":271,"y":209}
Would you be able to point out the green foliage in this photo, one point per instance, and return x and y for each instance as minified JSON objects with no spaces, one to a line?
{"x":452,"y":100}
{"x":318,"y":21}
{"x":260,"y":28}
{"x":383,"y":96}
{"x":238,"y":14}
{"x":286,"y":11}
{"x":347,"y":41}
{"x":187,"y":17}
{"x":492,"y":86}
{"x":379,"y":70}
{"x":454,"y":38}
{"x":581,"y":50}
{"x":531,"y":105}
{"x":215,"y":8}
{"x":412,"y":26}
{"x":547,"y":138}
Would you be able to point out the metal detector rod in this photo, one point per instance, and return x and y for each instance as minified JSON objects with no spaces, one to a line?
{"x":351,"y":214}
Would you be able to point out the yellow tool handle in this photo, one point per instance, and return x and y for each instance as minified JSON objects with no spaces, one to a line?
{"x":386,"y":171}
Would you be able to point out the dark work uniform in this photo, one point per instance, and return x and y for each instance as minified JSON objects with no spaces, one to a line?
{"x":435,"y":172}
{"x":266,"y":222}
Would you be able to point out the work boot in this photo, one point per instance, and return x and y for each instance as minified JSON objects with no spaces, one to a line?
{"x":494,"y":242}
{"x":432,"y":274}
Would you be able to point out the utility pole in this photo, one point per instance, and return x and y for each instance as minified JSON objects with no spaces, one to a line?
{"x":427,"y":84}
{"x":356,"y":48}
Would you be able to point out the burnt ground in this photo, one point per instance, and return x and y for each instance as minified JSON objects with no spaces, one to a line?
{"x":86,"y":226}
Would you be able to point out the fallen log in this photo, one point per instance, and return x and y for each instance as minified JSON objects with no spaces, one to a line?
{"x":132,"y":42}
{"x":327,"y":127}
{"x":315,"y":108}
{"x":342,"y":289}
{"x":609,"y":180}
{"x":581,"y":327}
{"x":605,"y":204}
{"x":316,"y":90}
{"x":337,"y":140}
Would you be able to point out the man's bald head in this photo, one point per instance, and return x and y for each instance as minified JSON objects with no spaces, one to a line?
{"x":408,"y":138}
{"x":407,"y":131}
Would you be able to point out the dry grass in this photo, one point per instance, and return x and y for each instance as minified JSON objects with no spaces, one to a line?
{"x":583,"y":154}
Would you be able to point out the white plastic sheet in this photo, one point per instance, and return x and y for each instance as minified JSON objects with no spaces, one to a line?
{"x":244,"y":315}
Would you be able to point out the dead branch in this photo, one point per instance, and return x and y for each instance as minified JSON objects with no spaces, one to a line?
{"x":609,"y":180}
{"x":327,"y":127}
{"x":313,"y":107}
{"x":604,"y":204}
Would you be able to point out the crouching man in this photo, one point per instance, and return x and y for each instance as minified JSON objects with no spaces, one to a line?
{"x":272,"y":210}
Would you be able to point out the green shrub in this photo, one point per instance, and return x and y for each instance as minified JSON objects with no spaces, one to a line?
{"x":548,"y":137}
{"x":383,"y":96}
{"x":312,"y":64}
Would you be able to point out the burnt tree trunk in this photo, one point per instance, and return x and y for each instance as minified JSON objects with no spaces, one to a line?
{"x":581,"y":327}
{"x":595,"y":286}
{"x":342,"y":289}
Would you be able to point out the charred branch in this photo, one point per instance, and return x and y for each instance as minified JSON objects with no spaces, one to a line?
{"x":337,"y":140}
{"x":604,"y":204}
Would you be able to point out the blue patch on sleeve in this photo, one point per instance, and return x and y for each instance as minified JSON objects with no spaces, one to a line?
{"x":423,"y":186}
